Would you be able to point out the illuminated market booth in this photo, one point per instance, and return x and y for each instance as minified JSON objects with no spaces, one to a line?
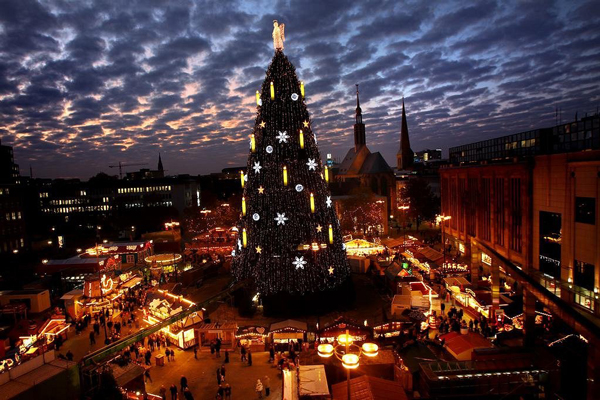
{"x":208,"y":333}
{"x":74,"y":270}
{"x":358,"y":332}
{"x":253,"y":338}
{"x":162,"y":305}
{"x":477,"y":302}
{"x":287,"y":331}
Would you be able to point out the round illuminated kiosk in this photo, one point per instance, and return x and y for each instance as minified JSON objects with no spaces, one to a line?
{"x":167,"y":261}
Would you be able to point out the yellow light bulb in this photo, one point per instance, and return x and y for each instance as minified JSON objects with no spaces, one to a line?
{"x":285,"y":178}
{"x":326,"y":174}
{"x":243,"y":206}
{"x":242,"y":178}
{"x":301,"y":139}
{"x":257,"y":98}
{"x":272,"y":91}
{"x":312,"y":203}
{"x":330,"y":234}
{"x":244,"y":238}
{"x":302,"y":88}
{"x":253,"y":143}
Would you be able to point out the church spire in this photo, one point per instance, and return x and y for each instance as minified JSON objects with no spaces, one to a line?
{"x":359,"y":127}
{"x":160,"y":164}
{"x":405,"y":156}
{"x":358,"y":110}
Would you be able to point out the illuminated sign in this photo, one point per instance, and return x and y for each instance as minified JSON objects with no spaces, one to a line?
{"x":486,"y":259}
{"x":461,"y":248}
{"x":106,"y":284}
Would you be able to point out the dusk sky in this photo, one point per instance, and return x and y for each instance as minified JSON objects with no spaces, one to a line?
{"x":85,"y":84}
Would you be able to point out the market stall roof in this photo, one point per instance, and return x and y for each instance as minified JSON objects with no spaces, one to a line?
{"x":431,"y":254}
{"x":73,"y":293}
{"x":457,"y":281}
{"x":414,"y":354}
{"x":393,"y":270}
{"x":289,"y":324}
{"x":392,"y":242}
{"x":369,"y":388}
{"x":75,"y":264}
{"x":361,"y":245}
{"x":313,"y":381}
{"x":461,"y":345}
{"x":342,"y":323}
{"x":132,"y":282}
{"x":218,"y":326}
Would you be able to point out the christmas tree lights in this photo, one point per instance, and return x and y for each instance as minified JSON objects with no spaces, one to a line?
{"x":286,"y":198}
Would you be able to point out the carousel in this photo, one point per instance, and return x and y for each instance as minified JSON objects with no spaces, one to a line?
{"x":361,"y":247}
{"x":159,"y":263}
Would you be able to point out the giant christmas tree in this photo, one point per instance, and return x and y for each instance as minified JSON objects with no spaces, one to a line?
{"x":289,"y":234}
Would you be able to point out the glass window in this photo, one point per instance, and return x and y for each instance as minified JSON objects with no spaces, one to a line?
{"x":584,"y":275}
{"x":585,"y":210}
{"x":550,"y":243}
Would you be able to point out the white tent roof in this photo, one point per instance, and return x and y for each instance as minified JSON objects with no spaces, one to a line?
{"x":289,"y":323}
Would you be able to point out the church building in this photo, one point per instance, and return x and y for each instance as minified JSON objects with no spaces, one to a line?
{"x":364,"y":168}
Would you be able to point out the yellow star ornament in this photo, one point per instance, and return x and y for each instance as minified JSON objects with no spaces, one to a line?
{"x":259,"y":250}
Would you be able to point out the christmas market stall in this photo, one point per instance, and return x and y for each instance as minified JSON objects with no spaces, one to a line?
{"x":287,"y":331}
{"x":253,"y":338}
{"x":161,"y":305}
{"x":208,"y":333}
{"x":331,"y":331}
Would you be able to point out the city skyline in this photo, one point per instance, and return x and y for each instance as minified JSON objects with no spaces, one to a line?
{"x":85,"y":86}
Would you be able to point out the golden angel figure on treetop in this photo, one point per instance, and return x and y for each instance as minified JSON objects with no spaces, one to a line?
{"x":278,"y":35}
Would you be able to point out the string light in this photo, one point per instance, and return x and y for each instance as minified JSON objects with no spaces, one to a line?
{"x":301,"y":138}
{"x":285,"y":179}
{"x":326,"y":174}
{"x":242,"y":179}
{"x":244,"y":206}
{"x":253,"y":142}
{"x":312,"y":203}
{"x":257,"y":98}
{"x":244,"y":238}
{"x":272,"y":91}
{"x":330,"y":234}
{"x":302,"y":88}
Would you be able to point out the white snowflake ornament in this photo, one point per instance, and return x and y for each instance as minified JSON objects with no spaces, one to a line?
{"x":299,"y":262}
{"x":312,"y":164}
{"x":282,"y":137}
{"x":281,"y":218}
{"x":257,"y":167}
{"x":328,"y":201}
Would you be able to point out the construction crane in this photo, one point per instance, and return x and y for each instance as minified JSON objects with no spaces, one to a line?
{"x":122,"y":164}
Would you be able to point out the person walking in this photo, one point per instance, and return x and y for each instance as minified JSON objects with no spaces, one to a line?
{"x":443,"y":307}
{"x":92,"y":338}
{"x":196,"y":352}
{"x":168,"y":354}
{"x":147,"y":376}
{"x":226,"y":357}
{"x":173,"y":390}
{"x":267,"y":384}
{"x":223,"y":371}
{"x":187,"y":394}
{"x":249,"y":358}
{"x":184,"y":383}
{"x":243,"y":353}
{"x":219,"y":376}
{"x":163,"y":392}
{"x":259,"y":388}
{"x":69,"y":355}
{"x":227,"y":391}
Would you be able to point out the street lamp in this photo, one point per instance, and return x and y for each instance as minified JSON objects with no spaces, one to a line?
{"x":404,"y":209}
{"x":441,"y":219}
{"x":348,"y":353}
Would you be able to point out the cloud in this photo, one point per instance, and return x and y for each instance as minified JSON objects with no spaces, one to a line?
{"x":87,"y":84}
